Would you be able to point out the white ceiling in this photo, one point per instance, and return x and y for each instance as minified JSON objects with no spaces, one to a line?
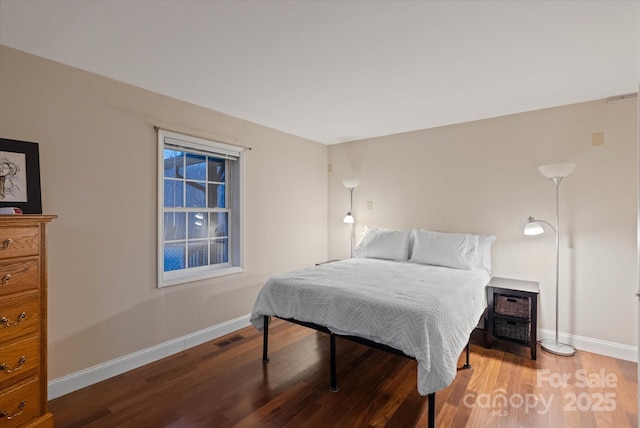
{"x":335,"y":71}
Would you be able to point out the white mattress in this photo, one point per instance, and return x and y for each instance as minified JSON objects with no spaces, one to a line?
{"x":427,"y":312}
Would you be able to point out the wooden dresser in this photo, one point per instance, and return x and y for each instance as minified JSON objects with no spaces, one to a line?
{"x":23,"y":321}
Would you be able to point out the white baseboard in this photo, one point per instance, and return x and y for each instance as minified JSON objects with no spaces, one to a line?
{"x":602,"y":347}
{"x":84,"y":378}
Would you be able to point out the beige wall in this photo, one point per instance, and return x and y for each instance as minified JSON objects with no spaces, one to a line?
{"x":482,"y":177}
{"x":98,"y":168}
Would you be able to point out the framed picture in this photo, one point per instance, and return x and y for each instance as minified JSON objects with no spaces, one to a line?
{"x":20,"y":176}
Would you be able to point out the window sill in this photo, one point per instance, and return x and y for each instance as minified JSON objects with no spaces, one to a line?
{"x":198,"y":276}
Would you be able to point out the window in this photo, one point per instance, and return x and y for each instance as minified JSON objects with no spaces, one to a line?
{"x":199,"y":211}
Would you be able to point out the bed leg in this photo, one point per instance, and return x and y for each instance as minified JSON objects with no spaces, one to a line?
{"x":432,"y":410}
{"x":265,"y":339}
{"x":466,"y":364}
{"x":334,"y":376}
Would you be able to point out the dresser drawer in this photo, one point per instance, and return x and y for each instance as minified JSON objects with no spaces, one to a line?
{"x":19,"y":241}
{"x":18,"y":317}
{"x":18,"y":360}
{"x":18,"y":275}
{"x":20,"y":405}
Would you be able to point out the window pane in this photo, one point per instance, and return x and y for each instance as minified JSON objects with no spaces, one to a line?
{"x":216,"y":169}
{"x":216,"y":196}
{"x":196,"y":167}
{"x":195,"y":194}
{"x":175,"y":226}
{"x":198,"y":254}
{"x":173,"y":163}
{"x":219,"y":251}
{"x":174,"y":256}
{"x":173,"y":193}
{"x":218,"y":224}
{"x":198,"y":225}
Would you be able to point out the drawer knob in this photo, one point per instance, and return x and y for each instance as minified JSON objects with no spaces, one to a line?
{"x":5,"y":280}
{"x":7,"y":323}
{"x":5,"y":413}
{"x":5,"y":368}
{"x":6,"y":243}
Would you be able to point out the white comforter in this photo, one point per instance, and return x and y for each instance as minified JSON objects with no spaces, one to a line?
{"x":427,"y":312}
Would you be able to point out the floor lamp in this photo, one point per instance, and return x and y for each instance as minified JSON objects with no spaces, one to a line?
{"x":555,"y":172}
{"x":350,"y":184}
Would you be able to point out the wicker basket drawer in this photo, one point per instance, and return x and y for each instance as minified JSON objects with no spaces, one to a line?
{"x":513,"y":329}
{"x":513,"y":306}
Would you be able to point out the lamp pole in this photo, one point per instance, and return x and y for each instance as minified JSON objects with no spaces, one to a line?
{"x":555,"y":172}
{"x":351,"y":225}
{"x":556,"y":181}
{"x":554,"y":346}
{"x":351,"y":184}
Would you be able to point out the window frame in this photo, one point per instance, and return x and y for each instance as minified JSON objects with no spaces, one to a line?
{"x":234,"y":179}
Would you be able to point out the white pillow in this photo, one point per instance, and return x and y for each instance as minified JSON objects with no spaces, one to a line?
{"x":484,"y":251}
{"x":383,"y":244}
{"x":454,"y":250}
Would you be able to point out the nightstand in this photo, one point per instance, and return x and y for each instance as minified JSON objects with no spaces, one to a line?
{"x":512,"y":312}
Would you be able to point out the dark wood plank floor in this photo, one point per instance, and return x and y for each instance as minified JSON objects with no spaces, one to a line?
{"x":224,"y":383}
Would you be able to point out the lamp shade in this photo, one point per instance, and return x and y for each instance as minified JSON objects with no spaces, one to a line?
{"x":557,"y":170}
{"x":533,"y":228}
{"x":351,"y":183}
{"x":348,"y":218}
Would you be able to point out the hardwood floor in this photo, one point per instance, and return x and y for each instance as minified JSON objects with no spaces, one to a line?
{"x":224,"y":383}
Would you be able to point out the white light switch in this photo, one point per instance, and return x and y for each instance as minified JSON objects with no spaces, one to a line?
{"x":369,"y":205}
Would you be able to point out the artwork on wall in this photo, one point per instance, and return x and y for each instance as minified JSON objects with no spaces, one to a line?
{"x":20,"y":176}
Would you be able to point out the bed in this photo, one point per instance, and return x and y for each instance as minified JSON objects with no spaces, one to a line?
{"x":416,"y":293}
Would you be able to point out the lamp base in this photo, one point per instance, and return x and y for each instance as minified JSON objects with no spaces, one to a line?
{"x":557,"y":348}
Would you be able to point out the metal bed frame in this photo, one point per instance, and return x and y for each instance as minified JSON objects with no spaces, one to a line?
{"x":334,"y":377}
